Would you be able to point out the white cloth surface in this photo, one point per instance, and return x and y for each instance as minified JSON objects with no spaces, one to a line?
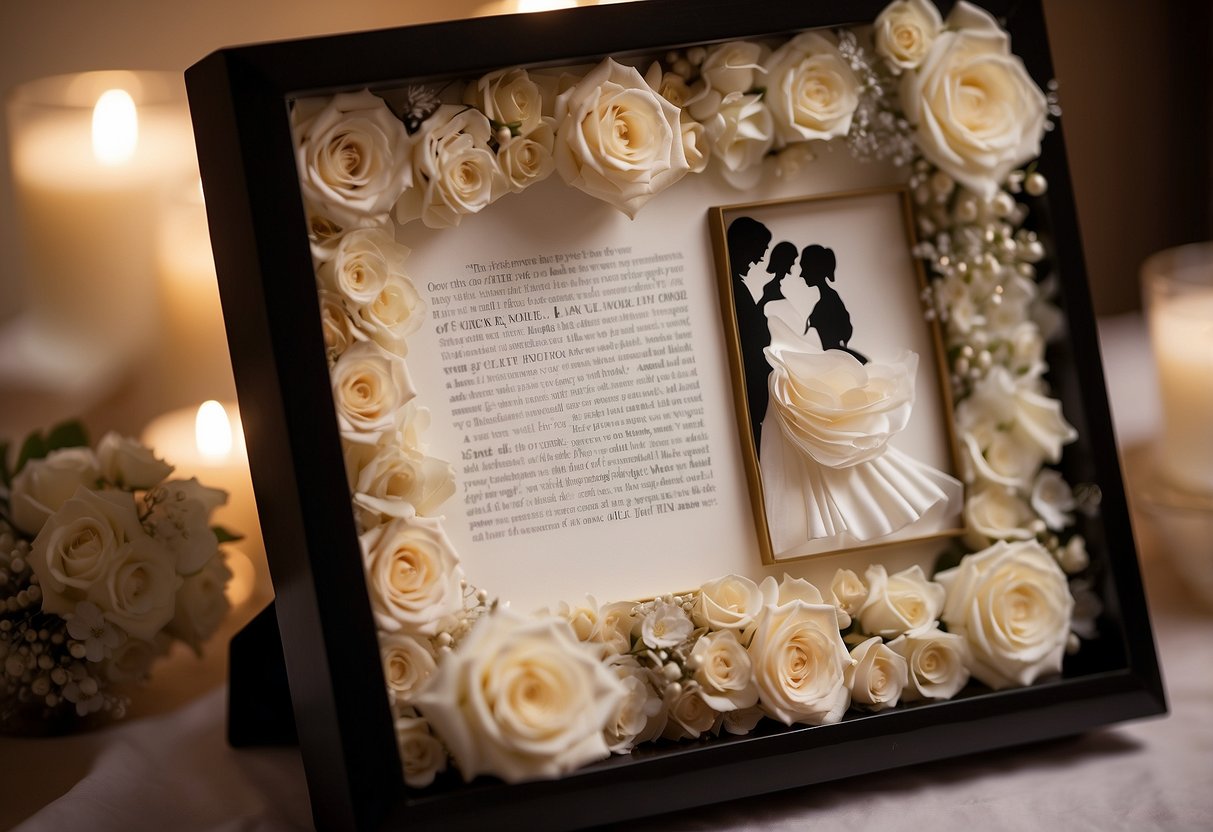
{"x":176,"y":771}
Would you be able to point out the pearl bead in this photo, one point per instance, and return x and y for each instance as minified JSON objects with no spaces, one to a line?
{"x":674,"y":689}
{"x":1003,"y":204}
{"x":672,"y":672}
{"x":1036,"y":184}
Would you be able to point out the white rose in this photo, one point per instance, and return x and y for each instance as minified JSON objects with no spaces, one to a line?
{"x":325,"y":234}
{"x":672,"y":87}
{"x":849,"y":593}
{"x":938,"y":664}
{"x":811,"y":90}
{"x":527,"y":159}
{"x":201,"y":603}
{"x":905,"y":31}
{"x":741,"y":721}
{"x":837,"y":411}
{"x":796,"y":589}
{"x":1034,"y":419}
{"x":1073,"y":556}
{"x":1053,"y":499}
{"x":799,"y":662}
{"x":742,"y":132}
{"x":336,"y":325}
{"x":695,"y":145}
{"x":878,"y":676}
{"x":1000,"y":457}
{"x":139,"y":587}
{"x":641,"y":715}
{"x":398,"y":481}
{"x":978,"y":114}
{"x":413,"y":575}
{"x":735,"y":67}
{"x":996,"y":513}
{"x":665,"y":625}
{"x":132,"y":660}
{"x":510,"y":98}
{"x":1027,"y":349}
{"x":362,"y":263}
{"x":1012,"y":605}
{"x":722,"y":668}
{"x":78,"y":543}
{"x":353,"y":157}
{"x":582,"y":618}
{"x":179,"y":517}
{"x":44,"y":485}
{"x":689,"y":716}
{"x":407,"y":664}
{"x":521,"y":699}
{"x":904,"y":602}
{"x":728,"y":603}
{"x":421,"y":754}
{"x":615,"y":624}
{"x":371,"y":386}
{"x":128,"y":463}
{"x":457,"y":172}
{"x":617,"y":139}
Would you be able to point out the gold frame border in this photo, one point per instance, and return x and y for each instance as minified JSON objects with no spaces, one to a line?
{"x":741,"y":407}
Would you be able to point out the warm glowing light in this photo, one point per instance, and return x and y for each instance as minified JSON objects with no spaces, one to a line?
{"x":213,"y":430}
{"x":525,"y":6}
{"x":115,"y":127}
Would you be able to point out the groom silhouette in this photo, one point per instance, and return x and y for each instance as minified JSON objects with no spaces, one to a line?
{"x":747,"y":243}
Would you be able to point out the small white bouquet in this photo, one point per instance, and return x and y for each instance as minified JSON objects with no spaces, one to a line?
{"x":104,"y":562}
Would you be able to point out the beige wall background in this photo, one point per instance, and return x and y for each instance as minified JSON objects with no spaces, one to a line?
{"x":1135,"y":91}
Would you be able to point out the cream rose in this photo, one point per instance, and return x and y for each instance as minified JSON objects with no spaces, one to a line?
{"x":837,"y":411}
{"x":521,"y":699}
{"x":510,"y":98}
{"x":527,"y":159}
{"x":1000,"y":457}
{"x":1012,"y":605}
{"x":336,"y":325}
{"x":128,"y":463}
{"x":201,"y":603}
{"x":353,"y":157}
{"x":407,"y":664}
{"x":878,"y":675}
{"x":457,"y":172}
{"x":721,"y":667}
{"x":138,"y":588}
{"x":79,"y":542}
{"x":977,"y":112}
{"x":799,"y":663}
{"x":735,"y":67}
{"x":421,"y":754}
{"x":617,"y":139}
{"x":615,"y":624}
{"x":44,"y":485}
{"x":695,"y":145}
{"x":362,"y":264}
{"x":996,"y":513}
{"x":938,"y":664}
{"x":641,"y":715}
{"x":370,"y":389}
{"x":728,"y":603}
{"x":413,"y":575}
{"x":905,"y":31}
{"x":902,"y":603}
{"x":741,"y":721}
{"x":849,"y":594}
{"x":811,"y":90}
{"x":1034,"y":419}
{"x":689,"y":716}
{"x":132,"y":660}
{"x":399,"y":481}
{"x":179,"y":516}
{"x":742,"y":132}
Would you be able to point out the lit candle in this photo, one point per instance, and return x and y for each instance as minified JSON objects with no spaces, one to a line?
{"x":191,"y":351}
{"x":207,"y":442}
{"x":1179,"y":299}
{"x":91,"y":156}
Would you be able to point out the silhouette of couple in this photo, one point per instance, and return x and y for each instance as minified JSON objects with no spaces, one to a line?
{"x":748,"y":241}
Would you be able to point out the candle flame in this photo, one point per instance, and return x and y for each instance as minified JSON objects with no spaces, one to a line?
{"x":213,"y":430}
{"x":115,"y":127}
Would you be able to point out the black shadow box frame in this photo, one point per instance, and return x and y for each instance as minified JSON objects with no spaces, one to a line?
{"x":238,"y":98}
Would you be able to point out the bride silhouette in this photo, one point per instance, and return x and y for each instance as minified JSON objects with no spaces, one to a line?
{"x":829,"y":317}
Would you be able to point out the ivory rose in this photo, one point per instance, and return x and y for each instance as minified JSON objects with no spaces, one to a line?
{"x":363,"y":262}
{"x":617,"y":138}
{"x":407,"y":664}
{"x":128,"y":463}
{"x":812,"y":92}
{"x":1035,"y":420}
{"x":138,"y":588}
{"x":689,"y":716}
{"x":977,"y":112}
{"x":905,"y":31}
{"x":353,"y":157}
{"x":510,"y":98}
{"x":396,"y":312}
{"x":397,"y":481}
{"x":728,"y":603}
{"x":527,"y":159}
{"x":938,"y":664}
{"x":457,"y":172}
{"x":995,"y":513}
{"x":742,"y":132}
{"x":201,"y":603}
{"x":44,"y":485}
{"x":904,"y":602}
{"x":336,"y":325}
{"x":722,"y":668}
{"x":641,"y":715}
{"x":370,"y":389}
{"x":877,"y":677}
{"x":849,"y":594}
{"x":799,"y":663}
{"x":837,"y":411}
{"x":521,"y":699}
{"x":421,"y":754}
{"x":1012,"y":605}
{"x":412,"y":574}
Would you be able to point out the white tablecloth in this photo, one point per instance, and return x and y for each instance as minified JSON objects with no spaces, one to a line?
{"x":175,"y":771}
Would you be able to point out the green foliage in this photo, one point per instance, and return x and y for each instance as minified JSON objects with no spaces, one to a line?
{"x":226,"y":535}
{"x":70,"y":434}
